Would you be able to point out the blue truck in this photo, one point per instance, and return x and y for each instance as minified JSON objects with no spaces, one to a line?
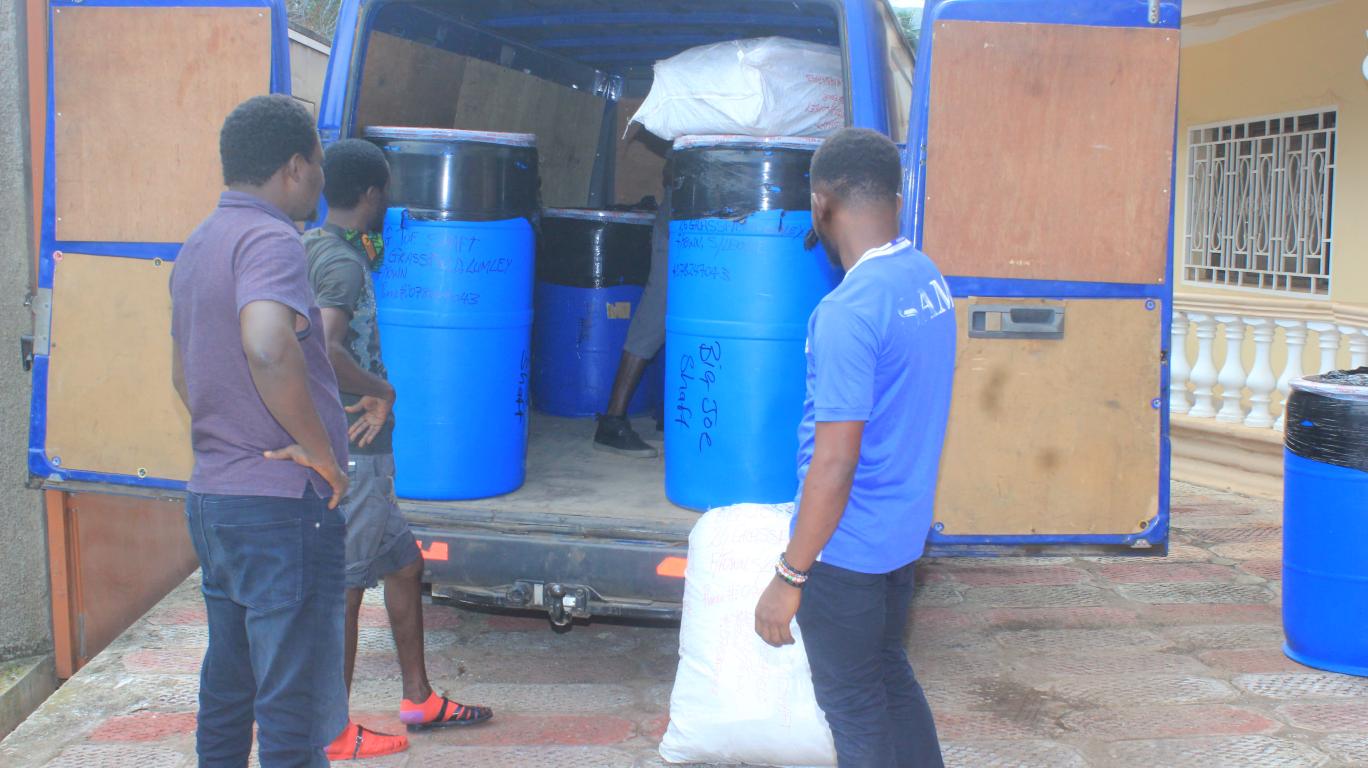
{"x":1038,"y":136}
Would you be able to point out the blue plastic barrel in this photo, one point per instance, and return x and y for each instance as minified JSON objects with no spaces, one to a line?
{"x":454,"y":305}
{"x":742,"y":285}
{"x":1325,"y":523}
{"x":591,"y":268}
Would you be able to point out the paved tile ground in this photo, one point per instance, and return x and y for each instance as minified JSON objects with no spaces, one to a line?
{"x":1108,"y":662}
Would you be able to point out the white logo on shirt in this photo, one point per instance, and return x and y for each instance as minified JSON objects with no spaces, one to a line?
{"x":931,"y":309}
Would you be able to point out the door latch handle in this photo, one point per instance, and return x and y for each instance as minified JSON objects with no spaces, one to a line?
{"x":1004,"y":321}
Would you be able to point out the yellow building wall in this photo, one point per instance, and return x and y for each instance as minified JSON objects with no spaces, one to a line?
{"x":1307,"y":61}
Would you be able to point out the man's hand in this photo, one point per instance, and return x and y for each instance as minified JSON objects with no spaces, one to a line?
{"x":333,"y":474}
{"x":775,"y":612}
{"x":375,"y":413}
{"x":281,"y":376}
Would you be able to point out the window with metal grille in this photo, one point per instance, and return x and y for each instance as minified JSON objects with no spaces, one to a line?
{"x":1259,"y":197}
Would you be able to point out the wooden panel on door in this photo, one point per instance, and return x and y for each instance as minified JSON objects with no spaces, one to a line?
{"x":140,"y":95}
{"x":111,"y":405}
{"x":1050,"y":151}
{"x":1058,"y":434}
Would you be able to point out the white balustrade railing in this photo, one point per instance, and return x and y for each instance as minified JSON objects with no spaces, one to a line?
{"x":1203,"y":386}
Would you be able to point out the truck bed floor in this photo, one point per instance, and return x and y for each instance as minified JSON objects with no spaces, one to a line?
{"x":572,"y":488}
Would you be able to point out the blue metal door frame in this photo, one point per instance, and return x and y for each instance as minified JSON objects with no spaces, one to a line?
{"x":1095,"y":13}
{"x":39,"y":463}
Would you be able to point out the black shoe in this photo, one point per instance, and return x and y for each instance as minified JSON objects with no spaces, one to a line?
{"x":615,"y":435}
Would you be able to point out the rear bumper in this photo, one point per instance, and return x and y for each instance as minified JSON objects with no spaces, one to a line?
{"x":566,"y":576}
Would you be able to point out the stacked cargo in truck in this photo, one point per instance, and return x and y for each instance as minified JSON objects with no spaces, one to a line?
{"x":1039,"y":139}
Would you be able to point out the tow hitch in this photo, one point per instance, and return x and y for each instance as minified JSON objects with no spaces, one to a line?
{"x":563,"y":602}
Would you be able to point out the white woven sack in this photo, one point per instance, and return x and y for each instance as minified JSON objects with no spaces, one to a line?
{"x":736,"y":699}
{"x":769,"y":86}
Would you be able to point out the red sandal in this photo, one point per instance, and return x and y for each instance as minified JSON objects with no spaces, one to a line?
{"x":358,"y":743}
{"x":441,"y":712}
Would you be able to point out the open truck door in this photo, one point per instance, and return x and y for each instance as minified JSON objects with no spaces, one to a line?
{"x":130,"y":98}
{"x":1041,"y":164}
{"x":136,"y":94}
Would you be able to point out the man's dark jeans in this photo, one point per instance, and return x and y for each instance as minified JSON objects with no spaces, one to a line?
{"x":852,"y":626}
{"x":273,"y":586}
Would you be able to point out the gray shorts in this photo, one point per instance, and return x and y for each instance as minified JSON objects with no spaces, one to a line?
{"x":379,"y":541}
{"x":646,"y":334}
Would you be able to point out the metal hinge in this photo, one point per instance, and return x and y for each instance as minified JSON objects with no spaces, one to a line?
{"x":42,"y":322}
{"x":26,"y":340}
{"x":1154,"y":11}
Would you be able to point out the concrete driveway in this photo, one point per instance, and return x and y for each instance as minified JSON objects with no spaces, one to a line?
{"x":1106,"y":662}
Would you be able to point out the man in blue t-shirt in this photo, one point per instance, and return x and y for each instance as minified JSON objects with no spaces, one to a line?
{"x":880,"y":360}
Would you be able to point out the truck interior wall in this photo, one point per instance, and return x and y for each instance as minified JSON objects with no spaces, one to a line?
{"x":640,"y":157}
{"x":535,"y":67}
{"x":408,"y":83}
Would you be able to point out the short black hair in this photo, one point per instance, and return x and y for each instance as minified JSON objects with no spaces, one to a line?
{"x":261,"y":135}
{"x":858,"y":165}
{"x":350,"y":167}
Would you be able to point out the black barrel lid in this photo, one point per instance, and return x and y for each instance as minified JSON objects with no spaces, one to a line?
{"x":731,"y":177}
{"x":1327,"y":418}
{"x":450,"y":136}
{"x":736,"y":141}
{"x":641,"y":218}
{"x":457,"y":175}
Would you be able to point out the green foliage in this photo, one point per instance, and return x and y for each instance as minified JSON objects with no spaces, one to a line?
{"x":317,"y":16}
{"x":910,"y":20}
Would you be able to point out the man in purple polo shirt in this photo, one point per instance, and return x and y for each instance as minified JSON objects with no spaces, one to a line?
{"x":880,"y":360}
{"x":269,"y":436}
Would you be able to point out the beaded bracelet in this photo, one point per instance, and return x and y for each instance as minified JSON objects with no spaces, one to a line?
{"x":791,"y":576}
{"x":783,"y":560}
